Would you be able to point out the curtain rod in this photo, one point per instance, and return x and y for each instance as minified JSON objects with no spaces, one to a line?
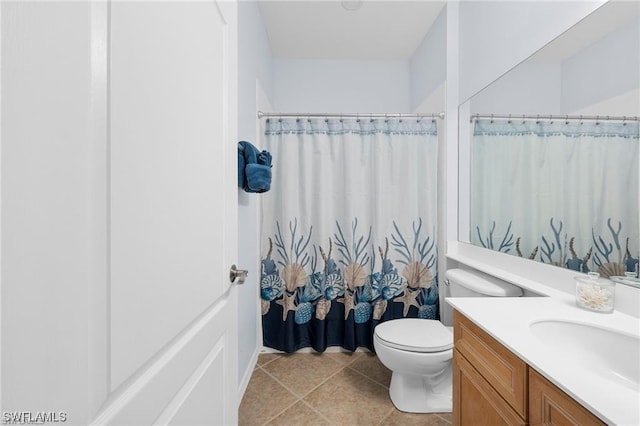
{"x":555,"y":117}
{"x":352,"y":115}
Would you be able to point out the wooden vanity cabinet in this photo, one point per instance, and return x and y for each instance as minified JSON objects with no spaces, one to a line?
{"x":549,"y":405}
{"x":492,"y":386}
{"x":475,"y":402}
{"x":481,"y":363}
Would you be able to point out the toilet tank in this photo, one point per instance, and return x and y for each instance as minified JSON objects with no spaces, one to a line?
{"x":463,"y":283}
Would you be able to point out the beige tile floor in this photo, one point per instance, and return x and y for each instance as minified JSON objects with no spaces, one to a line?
{"x":324,"y":389}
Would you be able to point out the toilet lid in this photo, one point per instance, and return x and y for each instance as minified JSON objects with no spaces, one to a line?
{"x":415,"y":335}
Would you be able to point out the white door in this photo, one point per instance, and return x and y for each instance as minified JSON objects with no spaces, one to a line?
{"x":119,"y":212}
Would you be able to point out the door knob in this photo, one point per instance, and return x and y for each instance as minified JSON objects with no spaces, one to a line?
{"x":237,"y":274}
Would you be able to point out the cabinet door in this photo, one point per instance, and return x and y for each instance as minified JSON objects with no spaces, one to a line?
{"x":503,"y":370}
{"x":548,"y":405}
{"x":481,"y":404}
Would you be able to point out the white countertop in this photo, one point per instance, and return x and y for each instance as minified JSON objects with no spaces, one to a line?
{"x":508,"y":320}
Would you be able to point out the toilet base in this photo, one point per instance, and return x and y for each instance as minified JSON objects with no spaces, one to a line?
{"x":421,"y":394}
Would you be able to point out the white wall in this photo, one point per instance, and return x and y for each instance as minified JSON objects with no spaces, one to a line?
{"x":558,"y":87}
{"x":531,"y":88}
{"x":497,"y":35}
{"x":627,"y":104}
{"x":592,"y":67}
{"x":254,"y":82}
{"x":428,"y":65}
{"x":340,"y":86}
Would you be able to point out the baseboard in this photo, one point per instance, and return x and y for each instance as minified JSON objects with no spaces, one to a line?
{"x":247,"y":374}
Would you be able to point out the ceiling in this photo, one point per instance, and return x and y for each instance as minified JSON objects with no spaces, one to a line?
{"x":378,"y":30}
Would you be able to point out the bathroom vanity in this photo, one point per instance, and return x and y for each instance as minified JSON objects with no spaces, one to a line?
{"x":491,"y":385}
{"x":511,"y":364}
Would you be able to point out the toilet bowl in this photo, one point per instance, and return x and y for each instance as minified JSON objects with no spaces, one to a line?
{"x":419,"y":351}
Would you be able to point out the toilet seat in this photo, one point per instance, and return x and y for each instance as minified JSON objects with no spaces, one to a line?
{"x":415,"y":335}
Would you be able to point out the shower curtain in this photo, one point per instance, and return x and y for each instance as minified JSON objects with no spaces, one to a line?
{"x":561,"y":192}
{"x":348,"y":229}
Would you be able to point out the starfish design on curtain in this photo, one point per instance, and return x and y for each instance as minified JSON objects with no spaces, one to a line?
{"x":288,"y":303}
{"x":408,"y":299}
{"x":348,"y":303}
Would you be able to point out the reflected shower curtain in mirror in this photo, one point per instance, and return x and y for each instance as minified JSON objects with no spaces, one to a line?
{"x":562,"y":192}
{"x":348,"y":229}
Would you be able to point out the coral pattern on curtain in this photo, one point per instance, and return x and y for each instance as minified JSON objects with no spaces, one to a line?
{"x":563,"y":192}
{"x":348,"y":229}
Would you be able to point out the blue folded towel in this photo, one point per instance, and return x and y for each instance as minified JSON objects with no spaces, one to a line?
{"x":254,"y":168}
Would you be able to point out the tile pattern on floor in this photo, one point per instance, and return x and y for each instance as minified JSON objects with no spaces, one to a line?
{"x":331,"y":389}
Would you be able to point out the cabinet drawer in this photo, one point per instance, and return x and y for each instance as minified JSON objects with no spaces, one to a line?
{"x":549,"y":405}
{"x":475,"y":402}
{"x":502,"y":369}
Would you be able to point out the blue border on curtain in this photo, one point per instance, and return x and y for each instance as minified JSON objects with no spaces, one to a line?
{"x":347,"y":292}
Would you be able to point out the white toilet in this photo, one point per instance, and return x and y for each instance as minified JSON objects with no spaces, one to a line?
{"x":418,"y":352}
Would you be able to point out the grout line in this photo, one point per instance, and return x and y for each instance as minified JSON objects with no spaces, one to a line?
{"x":393,"y":408}
{"x":301,"y":399}
{"x":298,"y":398}
{"x":342,"y":367}
{"x":281,"y":384}
{"x":270,"y":361}
{"x":351,"y":361}
{"x":369,"y":378}
{"x":276,"y":416}
{"x":316,"y":411}
{"x":286,"y":388}
{"x":438,"y":414}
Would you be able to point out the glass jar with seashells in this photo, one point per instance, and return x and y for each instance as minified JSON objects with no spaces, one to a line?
{"x":595,"y":293}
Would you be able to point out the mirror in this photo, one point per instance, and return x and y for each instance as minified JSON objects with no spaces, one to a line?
{"x":552,"y":149}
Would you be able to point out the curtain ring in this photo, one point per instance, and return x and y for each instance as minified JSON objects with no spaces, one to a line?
{"x":538,"y":119}
{"x":581,"y":120}
{"x":509,"y":121}
{"x":491,"y":118}
{"x":566,"y":119}
{"x":624,"y":118}
{"x":597,"y":119}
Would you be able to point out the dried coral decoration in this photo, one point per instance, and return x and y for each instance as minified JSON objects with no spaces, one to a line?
{"x":595,"y":293}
